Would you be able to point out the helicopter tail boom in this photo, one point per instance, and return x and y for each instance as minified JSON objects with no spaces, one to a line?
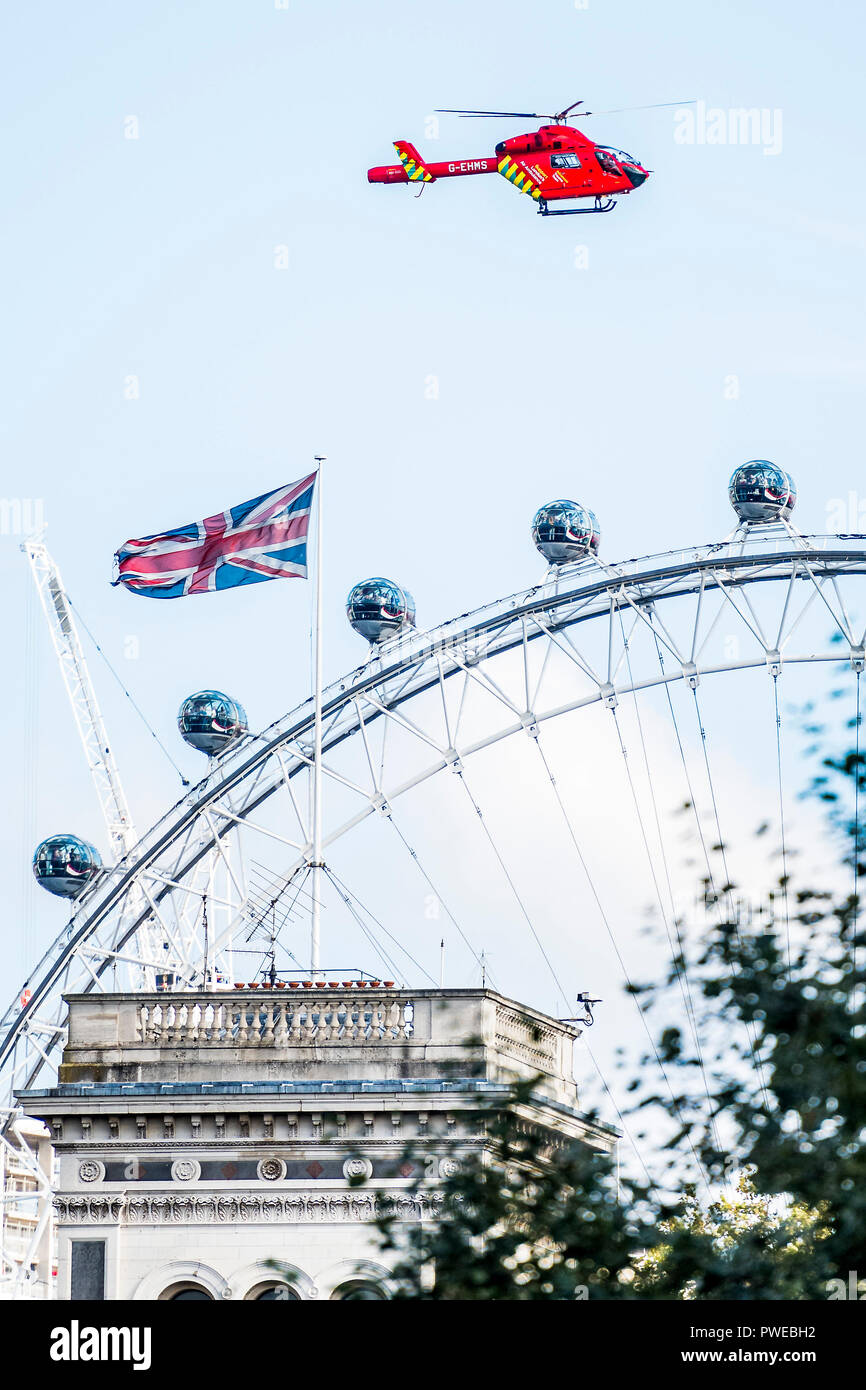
{"x":412,"y":168}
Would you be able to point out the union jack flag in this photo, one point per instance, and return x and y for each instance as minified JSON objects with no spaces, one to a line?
{"x":262,"y":539}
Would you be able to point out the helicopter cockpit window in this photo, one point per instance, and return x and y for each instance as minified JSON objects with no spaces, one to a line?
{"x":564,"y":161}
{"x":607,"y":161}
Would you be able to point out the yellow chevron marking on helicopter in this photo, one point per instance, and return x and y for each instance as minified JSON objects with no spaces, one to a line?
{"x":519,"y":177}
{"x":414,"y":172}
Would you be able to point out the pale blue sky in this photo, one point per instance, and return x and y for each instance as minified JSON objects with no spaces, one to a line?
{"x":155,"y":258}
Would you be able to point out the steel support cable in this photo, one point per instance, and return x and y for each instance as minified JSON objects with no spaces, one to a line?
{"x":645,"y":839}
{"x":609,"y":1093}
{"x":687,"y":774}
{"x":345,"y":895}
{"x":782,"y":821}
{"x":660,"y":903}
{"x":377,"y":949}
{"x":800,"y":1132}
{"x":715,"y":805}
{"x":615,"y":945}
{"x":142,"y":716}
{"x":677,"y":957}
{"x":751,"y":1030}
{"x":414,"y":855}
{"x":510,"y":881}
{"x":693,"y":800}
{"x":550,"y":967}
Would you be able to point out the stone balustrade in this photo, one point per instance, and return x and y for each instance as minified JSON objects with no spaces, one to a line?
{"x":276,"y":1020}
{"x":332,"y":1033}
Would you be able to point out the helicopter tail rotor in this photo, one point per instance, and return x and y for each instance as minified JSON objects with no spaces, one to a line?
{"x":416,"y":170}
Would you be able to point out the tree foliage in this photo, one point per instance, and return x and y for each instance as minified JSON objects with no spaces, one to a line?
{"x":787,"y":1093}
{"x":739,"y":1245}
{"x":521,"y":1218}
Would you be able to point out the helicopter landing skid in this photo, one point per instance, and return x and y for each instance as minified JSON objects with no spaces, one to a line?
{"x":601,"y":205}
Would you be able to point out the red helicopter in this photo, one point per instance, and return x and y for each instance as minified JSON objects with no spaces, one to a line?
{"x":552,"y":164}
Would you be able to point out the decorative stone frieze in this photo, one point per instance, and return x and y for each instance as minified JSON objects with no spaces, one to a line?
{"x":91,"y":1170}
{"x":80,"y":1210}
{"x":185,"y":1170}
{"x":296,"y":1208}
{"x":357,"y":1168}
{"x":271,"y":1169}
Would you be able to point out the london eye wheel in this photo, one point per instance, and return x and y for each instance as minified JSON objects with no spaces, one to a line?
{"x":575,"y":676}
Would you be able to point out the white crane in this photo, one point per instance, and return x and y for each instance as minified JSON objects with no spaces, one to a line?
{"x":25,"y":1187}
{"x":151,"y":947}
{"x":27,"y":1238}
{"x":82,"y":697}
{"x":26,"y":1230}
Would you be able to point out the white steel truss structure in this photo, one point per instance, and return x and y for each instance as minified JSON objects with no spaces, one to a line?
{"x":25,"y":1210}
{"x":82,"y":697}
{"x":151,"y":953}
{"x":587,"y":636}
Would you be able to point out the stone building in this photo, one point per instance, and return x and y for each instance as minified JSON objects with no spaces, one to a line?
{"x":200,"y":1136}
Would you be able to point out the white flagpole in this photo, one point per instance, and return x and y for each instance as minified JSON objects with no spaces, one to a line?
{"x":316,"y":861}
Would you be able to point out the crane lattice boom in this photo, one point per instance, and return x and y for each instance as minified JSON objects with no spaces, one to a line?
{"x":91,"y":727}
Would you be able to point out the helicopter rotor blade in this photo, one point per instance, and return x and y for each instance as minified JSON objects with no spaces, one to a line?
{"x":654,"y":106}
{"x":521,"y":115}
{"x":560,"y":115}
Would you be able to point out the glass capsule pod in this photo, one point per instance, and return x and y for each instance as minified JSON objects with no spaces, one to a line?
{"x":378,"y":609}
{"x":65,"y":864}
{"x":209,"y":721}
{"x":564,"y":531}
{"x":760,"y":491}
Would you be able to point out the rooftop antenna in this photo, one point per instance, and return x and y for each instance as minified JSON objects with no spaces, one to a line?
{"x":586,"y":1004}
{"x":206,"y":979}
{"x":586,"y":1018}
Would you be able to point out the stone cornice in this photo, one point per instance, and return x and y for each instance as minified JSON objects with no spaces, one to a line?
{"x":301,"y":1148}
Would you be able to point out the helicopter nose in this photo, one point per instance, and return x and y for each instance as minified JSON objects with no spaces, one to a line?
{"x":636,"y":175}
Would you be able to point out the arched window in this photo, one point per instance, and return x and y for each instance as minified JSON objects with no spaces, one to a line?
{"x":188,"y":1293}
{"x":187,"y":1281}
{"x":276,"y":1292}
{"x":358,"y":1289}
